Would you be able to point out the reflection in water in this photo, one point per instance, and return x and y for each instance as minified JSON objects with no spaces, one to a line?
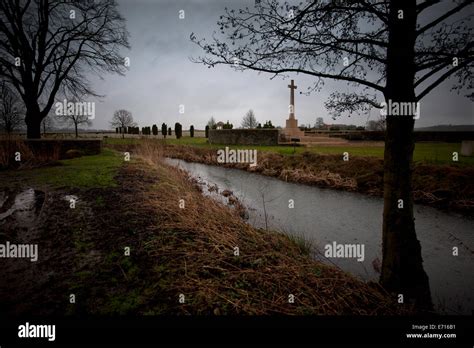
{"x":324,"y":216}
{"x":21,"y":208}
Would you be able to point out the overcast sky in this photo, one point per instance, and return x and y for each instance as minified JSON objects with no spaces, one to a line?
{"x":161,"y":77}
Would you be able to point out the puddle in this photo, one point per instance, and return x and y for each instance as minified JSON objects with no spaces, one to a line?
{"x":70,"y":198}
{"x":3,"y":198}
{"x":21,"y":209}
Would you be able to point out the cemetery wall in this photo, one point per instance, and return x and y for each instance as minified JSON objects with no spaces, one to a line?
{"x":244,"y":136}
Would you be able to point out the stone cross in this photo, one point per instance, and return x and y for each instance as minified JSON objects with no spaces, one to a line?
{"x":292,"y":88}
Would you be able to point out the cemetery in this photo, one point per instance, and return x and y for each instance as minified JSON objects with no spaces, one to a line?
{"x":165,"y":162}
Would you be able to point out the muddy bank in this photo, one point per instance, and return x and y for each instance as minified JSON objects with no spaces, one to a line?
{"x":449,"y":188}
{"x":176,"y":252}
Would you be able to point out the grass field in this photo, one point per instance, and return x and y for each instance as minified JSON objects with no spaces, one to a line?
{"x":434,"y":153}
{"x":83,"y":172}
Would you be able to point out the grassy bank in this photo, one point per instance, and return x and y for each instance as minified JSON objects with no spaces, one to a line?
{"x":426,"y":152}
{"x":174,"y":250}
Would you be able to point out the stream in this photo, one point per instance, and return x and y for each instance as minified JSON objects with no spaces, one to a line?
{"x":324,"y":216}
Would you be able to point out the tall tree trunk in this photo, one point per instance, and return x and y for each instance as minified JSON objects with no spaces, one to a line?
{"x":402,"y":266}
{"x":33,"y":122}
{"x":75,"y":126}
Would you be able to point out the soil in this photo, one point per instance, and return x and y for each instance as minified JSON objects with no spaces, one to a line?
{"x":81,"y":250}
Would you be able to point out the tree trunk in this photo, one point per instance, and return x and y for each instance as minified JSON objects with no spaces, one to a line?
{"x":75,"y":126}
{"x":33,"y":122}
{"x":402,"y":266}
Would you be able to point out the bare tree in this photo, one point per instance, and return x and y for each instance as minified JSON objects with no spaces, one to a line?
{"x":74,"y":118}
{"x":47,"y":46}
{"x":249,"y":120}
{"x":11,"y":109}
{"x":319,"y":123}
{"x":47,"y":123}
{"x":212,"y":122}
{"x":387,"y":50}
{"x":376,"y":125}
{"x":122,"y":118}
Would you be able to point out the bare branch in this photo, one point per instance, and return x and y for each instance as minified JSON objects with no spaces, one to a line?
{"x":443,"y":17}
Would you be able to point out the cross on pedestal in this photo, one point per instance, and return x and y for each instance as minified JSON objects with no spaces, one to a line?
{"x":292,"y":88}
{"x":291,"y":130}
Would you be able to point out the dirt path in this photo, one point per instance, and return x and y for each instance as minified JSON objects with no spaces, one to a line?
{"x":81,"y":252}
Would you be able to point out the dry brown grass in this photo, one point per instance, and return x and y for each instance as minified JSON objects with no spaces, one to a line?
{"x":198,"y":243}
{"x":29,"y":159}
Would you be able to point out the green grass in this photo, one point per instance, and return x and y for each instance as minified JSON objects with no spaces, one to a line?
{"x":120,"y":141}
{"x":430,"y":152}
{"x":440,"y":153}
{"x":83,"y":172}
{"x":435,"y":153}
